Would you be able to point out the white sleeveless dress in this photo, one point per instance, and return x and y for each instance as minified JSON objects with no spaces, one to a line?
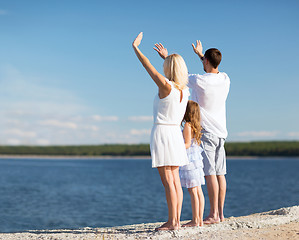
{"x":167,"y":143}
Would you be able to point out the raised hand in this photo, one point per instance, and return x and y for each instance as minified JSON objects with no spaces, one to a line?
{"x":137,"y":40}
{"x":161,"y":50}
{"x":198,"y":48}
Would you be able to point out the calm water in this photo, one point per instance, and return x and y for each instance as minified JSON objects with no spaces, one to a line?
{"x":51,"y":194}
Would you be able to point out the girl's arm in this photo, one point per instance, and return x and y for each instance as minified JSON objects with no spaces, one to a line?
{"x":187,"y":134}
{"x":159,"y":79}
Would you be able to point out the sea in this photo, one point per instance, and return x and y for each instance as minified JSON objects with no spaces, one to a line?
{"x":38,"y":194}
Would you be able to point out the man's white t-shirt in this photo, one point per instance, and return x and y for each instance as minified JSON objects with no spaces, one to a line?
{"x":210,"y":92}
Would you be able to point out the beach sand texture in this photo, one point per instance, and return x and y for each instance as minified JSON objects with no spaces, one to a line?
{"x":277,"y":224}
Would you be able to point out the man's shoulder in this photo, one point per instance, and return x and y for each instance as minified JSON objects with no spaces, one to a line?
{"x":226,"y":77}
{"x":221,"y":76}
{"x":225,"y":74}
{"x":197,"y":76}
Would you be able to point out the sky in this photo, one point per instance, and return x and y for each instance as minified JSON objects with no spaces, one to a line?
{"x":69,"y":76}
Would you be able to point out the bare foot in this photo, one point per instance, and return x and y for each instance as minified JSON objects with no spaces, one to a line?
{"x":191,"y":224}
{"x":167,"y":226}
{"x":222,"y":219}
{"x":210,"y":220}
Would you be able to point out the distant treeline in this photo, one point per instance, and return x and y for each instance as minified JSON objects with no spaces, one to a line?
{"x":262,"y":149}
{"x":232,"y":149}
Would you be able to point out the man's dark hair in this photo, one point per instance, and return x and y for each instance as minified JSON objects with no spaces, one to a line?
{"x":214,"y":56}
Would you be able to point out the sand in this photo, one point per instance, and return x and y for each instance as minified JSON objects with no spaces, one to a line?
{"x":277,"y":224}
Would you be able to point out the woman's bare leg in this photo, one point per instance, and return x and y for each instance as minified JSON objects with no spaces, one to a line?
{"x":167,"y":179}
{"x":179,"y":192}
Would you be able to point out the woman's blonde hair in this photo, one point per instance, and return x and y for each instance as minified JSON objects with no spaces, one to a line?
{"x":192,"y":116}
{"x":175,"y":70}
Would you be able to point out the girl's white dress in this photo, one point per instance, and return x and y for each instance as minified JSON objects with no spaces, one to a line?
{"x":192,"y":175}
{"x":167,"y":143}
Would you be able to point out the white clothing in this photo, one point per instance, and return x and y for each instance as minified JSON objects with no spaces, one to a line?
{"x":167,"y":143}
{"x":192,"y":175}
{"x":210,"y":92}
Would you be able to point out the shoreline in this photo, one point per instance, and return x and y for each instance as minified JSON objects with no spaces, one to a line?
{"x":104,"y":157}
{"x":282,"y":223}
{"x":70,"y":157}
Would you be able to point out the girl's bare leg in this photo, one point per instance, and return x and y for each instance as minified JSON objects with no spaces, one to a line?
{"x":195,"y":208}
{"x":201,"y":200}
{"x":167,"y":179}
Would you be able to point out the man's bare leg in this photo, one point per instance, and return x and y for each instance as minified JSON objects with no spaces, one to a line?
{"x":213,"y":192}
{"x":222,"y":191}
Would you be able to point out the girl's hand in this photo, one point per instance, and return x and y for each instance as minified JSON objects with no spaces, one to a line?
{"x":161,"y":50}
{"x":137,"y":40}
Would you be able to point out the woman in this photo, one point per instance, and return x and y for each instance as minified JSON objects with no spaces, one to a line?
{"x":167,"y":145}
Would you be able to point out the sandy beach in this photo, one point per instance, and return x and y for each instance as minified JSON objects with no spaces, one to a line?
{"x":276,"y":224}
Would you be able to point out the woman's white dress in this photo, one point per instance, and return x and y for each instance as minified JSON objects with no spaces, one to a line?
{"x":167,"y":143}
{"x":192,"y":175}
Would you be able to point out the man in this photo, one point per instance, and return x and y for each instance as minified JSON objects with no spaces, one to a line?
{"x":210,"y":92}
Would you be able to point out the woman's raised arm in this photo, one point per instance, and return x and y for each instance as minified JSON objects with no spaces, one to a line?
{"x":159,"y":79}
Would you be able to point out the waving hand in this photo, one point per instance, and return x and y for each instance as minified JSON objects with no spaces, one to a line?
{"x":198,"y":49}
{"x":161,"y":50}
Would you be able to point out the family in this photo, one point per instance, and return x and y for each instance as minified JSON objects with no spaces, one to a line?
{"x":189,"y":158}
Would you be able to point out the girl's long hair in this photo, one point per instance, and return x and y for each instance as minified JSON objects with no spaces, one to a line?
{"x":192,"y":116}
{"x":175,"y":70}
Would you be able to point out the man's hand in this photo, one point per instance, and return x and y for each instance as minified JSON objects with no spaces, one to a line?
{"x":161,"y":50}
{"x":198,"y":49}
{"x":137,"y":40}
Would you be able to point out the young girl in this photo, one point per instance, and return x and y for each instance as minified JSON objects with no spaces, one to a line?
{"x":192,"y":175}
{"x":167,"y":144}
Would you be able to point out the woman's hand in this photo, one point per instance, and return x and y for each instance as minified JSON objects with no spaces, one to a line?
{"x":137,"y":40}
{"x":161,"y":50}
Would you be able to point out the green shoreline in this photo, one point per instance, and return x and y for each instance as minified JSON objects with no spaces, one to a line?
{"x":233,"y":149}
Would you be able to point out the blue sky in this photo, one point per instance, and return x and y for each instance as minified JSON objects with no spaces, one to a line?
{"x":68,"y":74}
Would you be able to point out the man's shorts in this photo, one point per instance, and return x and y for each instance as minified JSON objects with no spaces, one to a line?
{"x":214,"y":159}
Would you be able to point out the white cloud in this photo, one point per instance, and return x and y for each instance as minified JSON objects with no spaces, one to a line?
{"x":91,"y":127}
{"x":57,"y":123}
{"x":105,"y":118}
{"x":20,"y":133}
{"x":140,"y":131}
{"x":33,"y":112}
{"x":257,"y":134}
{"x":141,"y":118}
{"x":42,"y":142}
{"x":13,"y":141}
{"x":293,"y":134}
